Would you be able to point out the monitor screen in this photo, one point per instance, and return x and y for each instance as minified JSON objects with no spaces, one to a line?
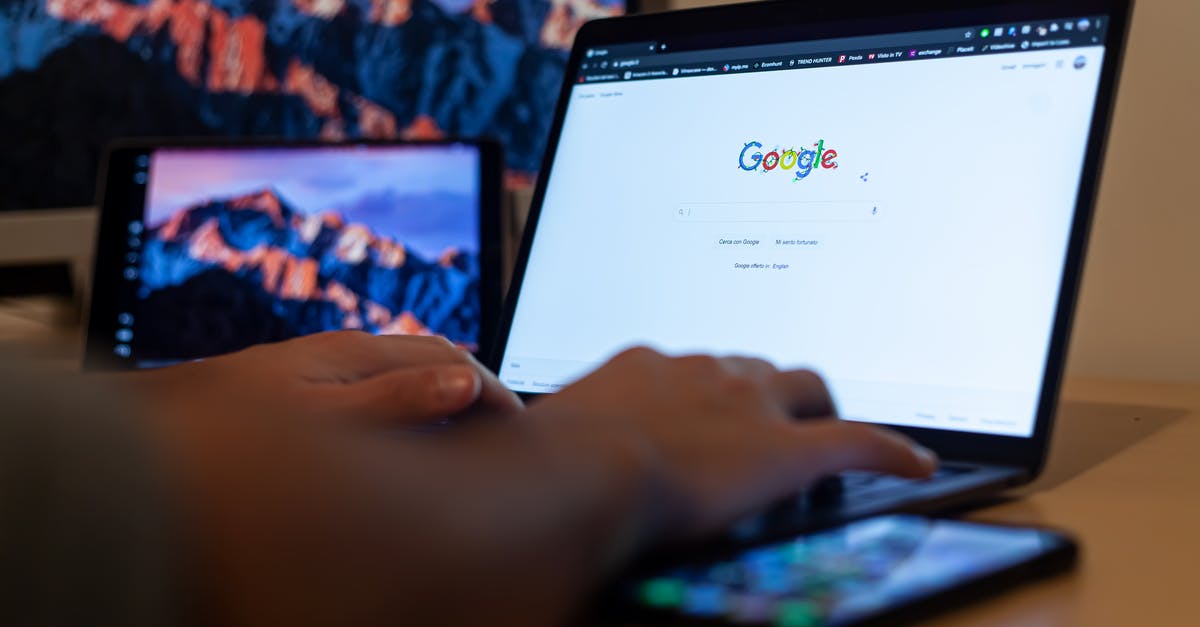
{"x":75,"y":74}
{"x":236,"y":246}
{"x":892,"y":211}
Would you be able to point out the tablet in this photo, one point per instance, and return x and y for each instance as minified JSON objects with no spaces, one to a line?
{"x":206,"y":248}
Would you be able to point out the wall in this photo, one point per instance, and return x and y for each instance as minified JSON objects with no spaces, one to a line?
{"x":1139,"y":311}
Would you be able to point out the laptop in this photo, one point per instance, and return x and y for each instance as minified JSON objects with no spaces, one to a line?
{"x":895,"y":195}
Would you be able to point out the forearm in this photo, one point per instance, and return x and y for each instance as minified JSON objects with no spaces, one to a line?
{"x":510,"y":522}
{"x":523,"y":521}
{"x":87,"y":533}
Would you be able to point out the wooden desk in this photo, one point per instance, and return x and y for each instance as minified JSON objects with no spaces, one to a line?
{"x":1136,"y":512}
{"x":1124,"y":476}
{"x":42,"y":328}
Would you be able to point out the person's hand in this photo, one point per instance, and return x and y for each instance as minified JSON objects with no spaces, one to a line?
{"x":719,"y":438}
{"x":292,"y":518}
{"x":345,"y":375}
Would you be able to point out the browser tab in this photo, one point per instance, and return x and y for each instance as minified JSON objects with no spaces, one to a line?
{"x":623,"y":50}
{"x":655,"y":60}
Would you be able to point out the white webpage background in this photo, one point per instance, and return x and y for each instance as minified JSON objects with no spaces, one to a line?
{"x":934,"y":312}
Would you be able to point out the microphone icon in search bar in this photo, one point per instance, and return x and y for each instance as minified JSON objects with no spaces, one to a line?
{"x":806,"y":211}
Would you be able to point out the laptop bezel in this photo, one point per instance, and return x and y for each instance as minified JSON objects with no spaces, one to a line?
{"x":791,"y":21}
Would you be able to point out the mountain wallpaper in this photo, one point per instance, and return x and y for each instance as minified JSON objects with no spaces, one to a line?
{"x":224,"y":271}
{"x":76,"y":73}
{"x":235,"y":272}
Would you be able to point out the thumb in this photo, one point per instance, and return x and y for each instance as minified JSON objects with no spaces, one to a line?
{"x":409,"y":396}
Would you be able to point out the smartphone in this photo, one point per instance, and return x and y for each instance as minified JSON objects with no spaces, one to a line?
{"x":879,"y":570}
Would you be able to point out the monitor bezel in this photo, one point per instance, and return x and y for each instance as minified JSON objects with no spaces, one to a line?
{"x":116,"y":209}
{"x":791,"y":21}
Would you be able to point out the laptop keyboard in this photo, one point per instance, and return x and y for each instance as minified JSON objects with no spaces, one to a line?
{"x":844,"y":497}
{"x":855,"y":484}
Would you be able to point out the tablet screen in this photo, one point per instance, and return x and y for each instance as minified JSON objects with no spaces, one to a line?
{"x":236,"y":246}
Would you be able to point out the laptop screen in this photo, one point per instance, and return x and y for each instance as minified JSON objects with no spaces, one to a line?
{"x":892,"y":211}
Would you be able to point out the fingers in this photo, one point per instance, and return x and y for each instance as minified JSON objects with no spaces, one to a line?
{"x":802,"y":393}
{"x":407,"y":396}
{"x":371,"y":379}
{"x":494,"y":396}
{"x":827,"y":447}
{"x":379,"y":354}
{"x":751,"y":367}
{"x":353,"y":355}
{"x":422,"y":394}
{"x":799,"y":393}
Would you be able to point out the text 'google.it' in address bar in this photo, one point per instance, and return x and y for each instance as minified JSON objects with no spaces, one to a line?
{"x":807,"y":211}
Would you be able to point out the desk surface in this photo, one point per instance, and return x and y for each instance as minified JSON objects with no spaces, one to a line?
{"x":1123,"y":476}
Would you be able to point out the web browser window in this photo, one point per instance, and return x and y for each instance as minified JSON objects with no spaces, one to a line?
{"x":897,"y":223}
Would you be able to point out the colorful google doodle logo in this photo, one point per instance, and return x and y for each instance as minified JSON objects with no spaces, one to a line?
{"x":802,"y":161}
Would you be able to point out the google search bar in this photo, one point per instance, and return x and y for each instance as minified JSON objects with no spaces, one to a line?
{"x":807,"y":211}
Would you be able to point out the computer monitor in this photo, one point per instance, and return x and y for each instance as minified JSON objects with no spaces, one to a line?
{"x":75,"y":74}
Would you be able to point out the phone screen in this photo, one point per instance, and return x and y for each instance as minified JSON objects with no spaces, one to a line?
{"x":845,"y":575}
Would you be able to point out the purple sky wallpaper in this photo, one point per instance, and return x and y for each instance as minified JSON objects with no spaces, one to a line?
{"x":425,"y":197}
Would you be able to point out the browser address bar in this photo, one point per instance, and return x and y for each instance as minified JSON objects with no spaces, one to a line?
{"x":808,"y":211}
